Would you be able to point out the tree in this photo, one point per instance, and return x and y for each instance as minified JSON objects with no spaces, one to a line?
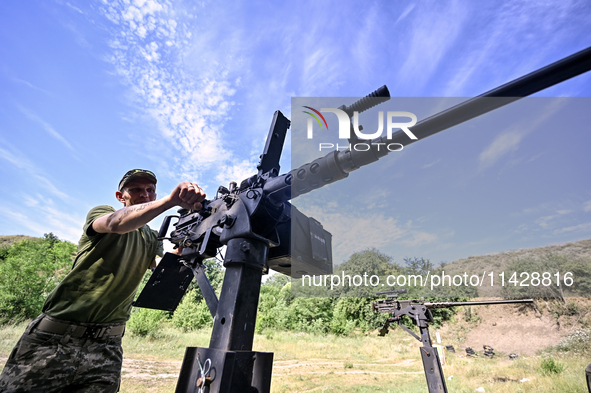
{"x":364,"y":264}
{"x":278,"y":280}
{"x":29,"y":270}
{"x":418,"y":266}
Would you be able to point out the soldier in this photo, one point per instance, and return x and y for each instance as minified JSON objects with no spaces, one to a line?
{"x":75,"y":344}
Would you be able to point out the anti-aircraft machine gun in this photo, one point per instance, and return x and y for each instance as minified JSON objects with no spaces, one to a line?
{"x":261,"y":230}
{"x":419,"y":311}
{"x":254,"y":221}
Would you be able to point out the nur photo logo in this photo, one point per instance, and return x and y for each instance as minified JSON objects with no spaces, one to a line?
{"x":345,"y":127}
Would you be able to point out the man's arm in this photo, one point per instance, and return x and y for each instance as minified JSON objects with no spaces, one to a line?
{"x":133,"y":217}
{"x":130,"y":218}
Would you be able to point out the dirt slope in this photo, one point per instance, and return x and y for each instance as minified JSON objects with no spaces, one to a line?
{"x":509,"y":328}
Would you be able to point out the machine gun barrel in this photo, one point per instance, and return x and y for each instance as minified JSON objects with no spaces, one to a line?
{"x":337,"y":165}
{"x":474,"y":303}
{"x":524,"y":86}
{"x":392,"y":305}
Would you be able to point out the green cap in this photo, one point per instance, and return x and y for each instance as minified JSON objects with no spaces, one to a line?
{"x":134,"y":174}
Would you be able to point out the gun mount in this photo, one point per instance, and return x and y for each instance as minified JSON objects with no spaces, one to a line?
{"x":419,"y":311}
{"x":256,"y":222}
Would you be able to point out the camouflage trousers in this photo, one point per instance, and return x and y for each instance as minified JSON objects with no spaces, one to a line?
{"x":46,"y":362}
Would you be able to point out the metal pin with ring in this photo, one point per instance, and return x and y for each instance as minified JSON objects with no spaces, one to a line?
{"x":203,"y":380}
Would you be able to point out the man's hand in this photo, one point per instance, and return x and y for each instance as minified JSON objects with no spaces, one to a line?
{"x":188,"y":196}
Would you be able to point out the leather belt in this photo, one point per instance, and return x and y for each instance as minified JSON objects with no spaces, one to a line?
{"x":80,"y":331}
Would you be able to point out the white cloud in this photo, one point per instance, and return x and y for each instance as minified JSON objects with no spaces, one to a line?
{"x":355,"y":229}
{"x":30,"y":201}
{"x":547,"y":221}
{"x":149,"y":44}
{"x":405,"y":13}
{"x":366,"y":48}
{"x":508,"y":27}
{"x":587,"y":206}
{"x":370,"y":230}
{"x":30,"y":85}
{"x":429,"y":39}
{"x":33,"y":175}
{"x":46,"y":126}
{"x":574,"y":228}
{"x":420,"y":239}
{"x":43,"y":218}
{"x":502,"y":145}
{"x":431,"y":164}
{"x":237,"y":172}
{"x":78,"y":10}
{"x":508,"y":141}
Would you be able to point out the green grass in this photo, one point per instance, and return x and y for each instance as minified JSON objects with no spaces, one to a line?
{"x":327,"y":363}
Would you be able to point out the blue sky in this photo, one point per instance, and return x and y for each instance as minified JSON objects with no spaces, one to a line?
{"x":89,"y":90}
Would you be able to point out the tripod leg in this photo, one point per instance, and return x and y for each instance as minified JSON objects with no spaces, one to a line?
{"x":433,"y":370}
{"x":431,"y":362}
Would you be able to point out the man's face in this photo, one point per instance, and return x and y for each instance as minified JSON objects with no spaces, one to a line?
{"x":137,"y":191}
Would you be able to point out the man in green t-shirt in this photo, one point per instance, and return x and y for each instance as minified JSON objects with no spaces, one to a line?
{"x":75,"y":344}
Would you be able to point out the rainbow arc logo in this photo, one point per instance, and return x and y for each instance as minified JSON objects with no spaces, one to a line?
{"x":319,"y":114}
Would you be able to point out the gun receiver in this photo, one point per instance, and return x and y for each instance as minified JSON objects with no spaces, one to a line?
{"x":419,"y":311}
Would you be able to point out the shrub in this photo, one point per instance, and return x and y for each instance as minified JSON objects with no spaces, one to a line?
{"x":191,"y":314}
{"x":578,"y":342}
{"x":350,"y":313}
{"x":311,"y":315}
{"x":550,"y":366}
{"x":267,"y":311}
{"x":145,"y":322}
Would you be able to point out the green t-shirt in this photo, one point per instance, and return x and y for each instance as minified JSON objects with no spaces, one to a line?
{"x":106,"y":274}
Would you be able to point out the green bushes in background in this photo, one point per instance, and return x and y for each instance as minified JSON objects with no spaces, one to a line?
{"x":29,"y":270}
{"x":145,"y":322}
{"x":192,"y":313}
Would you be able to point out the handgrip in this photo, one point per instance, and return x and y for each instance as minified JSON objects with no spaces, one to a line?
{"x":164,"y":227}
{"x":377,"y":97}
